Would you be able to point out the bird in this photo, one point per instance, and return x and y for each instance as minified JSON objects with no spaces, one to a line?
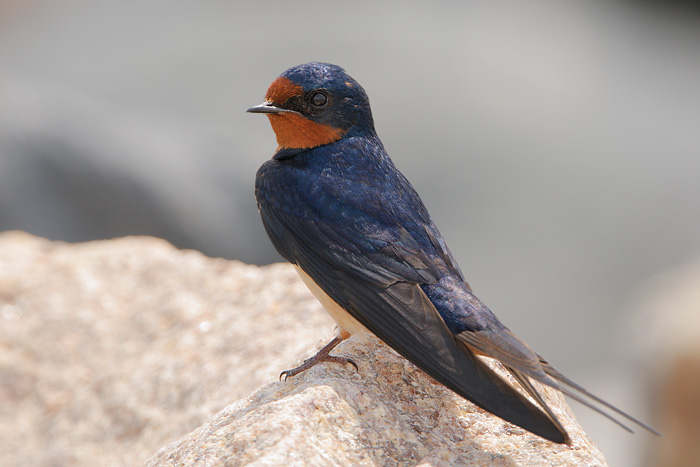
{"x":336,"y":207}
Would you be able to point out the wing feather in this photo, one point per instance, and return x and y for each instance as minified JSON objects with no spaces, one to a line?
{"x":524,"y":363}
{"x":381,"y":289}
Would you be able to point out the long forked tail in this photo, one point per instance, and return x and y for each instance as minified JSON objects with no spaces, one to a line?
{"x":584,"y":397}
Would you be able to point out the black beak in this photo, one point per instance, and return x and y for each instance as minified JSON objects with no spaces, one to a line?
{"x":267,"y":108}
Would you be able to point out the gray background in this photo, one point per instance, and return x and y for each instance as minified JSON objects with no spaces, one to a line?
{"x":555,"y":143}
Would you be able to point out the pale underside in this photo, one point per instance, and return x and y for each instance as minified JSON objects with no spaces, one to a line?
{"x":347,"y":325}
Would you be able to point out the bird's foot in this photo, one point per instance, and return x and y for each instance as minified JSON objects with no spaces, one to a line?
{"x":321,"y":356}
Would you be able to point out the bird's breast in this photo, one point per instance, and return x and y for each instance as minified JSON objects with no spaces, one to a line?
{"x":347,"y":324}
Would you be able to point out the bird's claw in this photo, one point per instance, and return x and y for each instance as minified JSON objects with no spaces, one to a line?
{"x":308,"y":363}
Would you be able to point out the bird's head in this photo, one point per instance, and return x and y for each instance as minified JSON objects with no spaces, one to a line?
{"x":314,"y":104}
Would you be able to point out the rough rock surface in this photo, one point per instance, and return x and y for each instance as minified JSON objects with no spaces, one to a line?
{"x":388,"y":413}
{"x":111,"y":349}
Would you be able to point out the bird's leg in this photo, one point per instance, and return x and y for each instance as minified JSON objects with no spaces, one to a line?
{"x":321,"y":356}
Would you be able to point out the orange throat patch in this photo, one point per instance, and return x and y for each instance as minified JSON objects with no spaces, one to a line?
{"x":295,"y":131}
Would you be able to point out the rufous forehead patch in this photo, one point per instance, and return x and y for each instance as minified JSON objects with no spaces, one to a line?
{"x":281,"y":90}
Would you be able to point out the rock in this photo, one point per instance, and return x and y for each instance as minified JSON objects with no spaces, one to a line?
{"x":667,"y":319}
{"x":111,"y":349}
{"x":387,"y":413}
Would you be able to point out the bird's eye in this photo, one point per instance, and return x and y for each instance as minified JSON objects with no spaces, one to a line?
{"x":319,"y":99}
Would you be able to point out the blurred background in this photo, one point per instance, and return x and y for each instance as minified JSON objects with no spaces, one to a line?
{"x":556,"y":144}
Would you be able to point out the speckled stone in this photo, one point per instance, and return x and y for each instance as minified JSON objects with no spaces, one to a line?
{"x":110,"y":350}
{"x":388,"y":413}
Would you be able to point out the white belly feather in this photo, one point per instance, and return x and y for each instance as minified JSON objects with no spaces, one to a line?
{"x":346,"y":323}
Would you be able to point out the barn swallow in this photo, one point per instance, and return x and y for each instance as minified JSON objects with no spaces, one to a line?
{"x":335,"y":206}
